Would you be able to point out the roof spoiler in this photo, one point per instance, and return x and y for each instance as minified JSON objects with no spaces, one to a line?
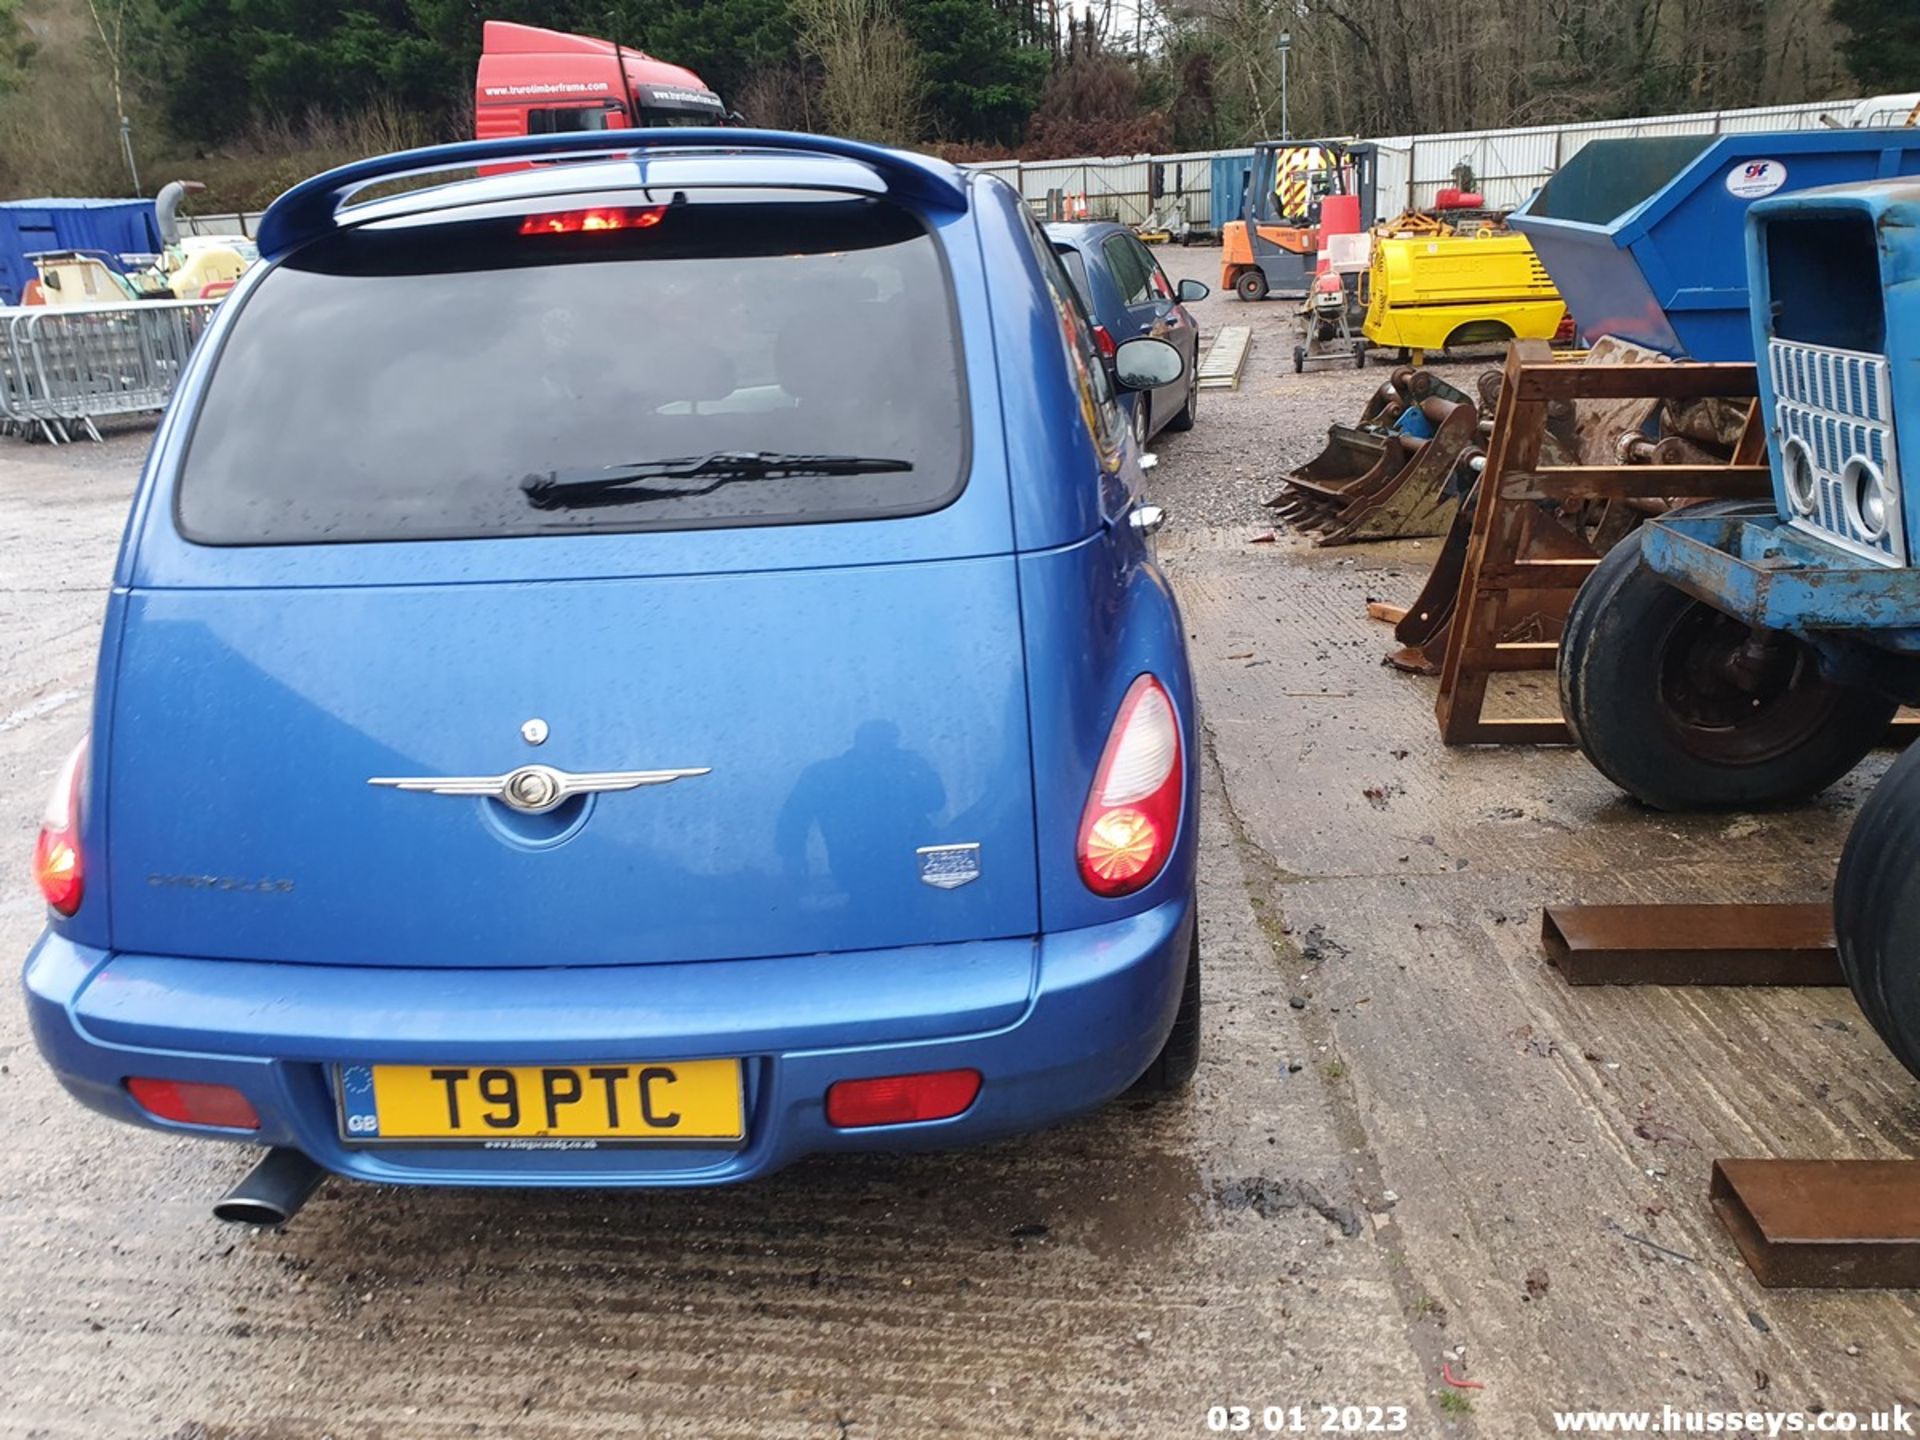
{"x":311,"y":208}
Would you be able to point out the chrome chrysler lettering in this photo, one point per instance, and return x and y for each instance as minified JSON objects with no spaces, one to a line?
{"x":535,"y":789}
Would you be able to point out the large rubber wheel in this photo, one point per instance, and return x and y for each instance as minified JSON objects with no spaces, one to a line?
{"x":1184,"y":419}
{"x":1689,"y":709}
{"x":1252,"y":285}
{"x":1876,"y":909}
{"x":1172,"y":1069}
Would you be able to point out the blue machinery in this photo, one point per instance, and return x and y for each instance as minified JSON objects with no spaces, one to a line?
{"x":1746,"y":654}
{"x":1642,"y":236}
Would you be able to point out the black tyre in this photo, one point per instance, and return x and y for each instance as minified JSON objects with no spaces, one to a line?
{"x":1359,"y":357}
{"x":1172,"y":1069}
{"x":1876,"y":909}
{"x":1183,"y":421}
{"x":1299,"y":359}
{"x":1252,"y":285}
{"x":1142,"y":420}
{"x":1689,"y":709}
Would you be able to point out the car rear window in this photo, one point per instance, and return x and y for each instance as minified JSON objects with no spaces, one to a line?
{"x":429,"y":381}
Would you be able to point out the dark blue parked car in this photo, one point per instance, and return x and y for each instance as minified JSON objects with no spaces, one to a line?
{"x":1128,"y":295}
{"x":629,"y":672}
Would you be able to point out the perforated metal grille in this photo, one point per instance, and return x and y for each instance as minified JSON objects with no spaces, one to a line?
{"x":1837,"y":405}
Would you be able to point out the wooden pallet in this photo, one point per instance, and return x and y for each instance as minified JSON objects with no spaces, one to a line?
{"x":1515,"y":480}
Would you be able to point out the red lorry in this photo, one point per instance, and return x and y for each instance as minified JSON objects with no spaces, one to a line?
{"x":543,"y":82}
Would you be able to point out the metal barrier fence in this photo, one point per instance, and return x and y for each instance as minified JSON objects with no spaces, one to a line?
{"x":70,"y":365}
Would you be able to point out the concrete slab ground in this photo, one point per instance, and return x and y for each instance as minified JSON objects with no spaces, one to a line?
{"x":1408,"y":1144}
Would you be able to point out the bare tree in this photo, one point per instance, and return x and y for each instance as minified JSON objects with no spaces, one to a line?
{"x":872,"y":86}
{"x":110,"y":19}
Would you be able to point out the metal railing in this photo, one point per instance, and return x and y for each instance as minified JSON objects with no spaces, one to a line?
{"x":62,"y":367}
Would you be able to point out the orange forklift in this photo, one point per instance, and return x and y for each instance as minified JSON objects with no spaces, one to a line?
{"x":1297,"y":190}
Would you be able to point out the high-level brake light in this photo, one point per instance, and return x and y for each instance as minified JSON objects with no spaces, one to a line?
{"x":606,"y":217}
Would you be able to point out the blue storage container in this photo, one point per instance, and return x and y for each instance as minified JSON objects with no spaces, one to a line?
{"x":1644,"y":238}
{"x":119,"y":227}
{"x":1230,"y":174}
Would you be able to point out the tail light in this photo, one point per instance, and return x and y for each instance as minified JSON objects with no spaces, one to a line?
{"x":1133,"y":810}
{"x":57,"y":865}
{"x":191,"y":1102}
{"x":901,"y":1099}
{"x":1103,"y":338}
{"x":607,"y":217}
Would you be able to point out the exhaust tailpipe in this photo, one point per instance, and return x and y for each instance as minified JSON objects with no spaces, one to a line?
{"x":273,"y":1191}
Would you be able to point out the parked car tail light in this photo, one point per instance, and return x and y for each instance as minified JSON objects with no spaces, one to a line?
{"x":192,"y":1103}
{"x":57,"y":865}
{"x":1133,"y":810}
{"x":901,"y":1099}
{"x":1103,"y":338}
{"x":609,"y":217}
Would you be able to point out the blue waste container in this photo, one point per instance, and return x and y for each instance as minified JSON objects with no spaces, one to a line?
{"x":29,"y":226}
{"x":1644,"y":237}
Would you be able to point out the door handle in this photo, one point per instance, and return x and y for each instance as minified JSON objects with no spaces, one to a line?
{"x":1147,"y":519}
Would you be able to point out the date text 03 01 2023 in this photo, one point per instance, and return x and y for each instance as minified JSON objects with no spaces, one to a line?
{"x":679,"y":1100}
{"x":1307,"y":1419}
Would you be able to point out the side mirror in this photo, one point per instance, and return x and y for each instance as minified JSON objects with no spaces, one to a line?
{"x":1192,"y":290}
{"x":1146,"y":364}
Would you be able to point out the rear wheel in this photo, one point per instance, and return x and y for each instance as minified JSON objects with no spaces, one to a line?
{"x":1876,"y":909}
{"x":1299,"y":359}
{"x":1142,"y":420}
{"x":1185,"y":418}
{"x":1172,"y":1069}
{"x":1689,"y":709}
{"x":1252,"y":284}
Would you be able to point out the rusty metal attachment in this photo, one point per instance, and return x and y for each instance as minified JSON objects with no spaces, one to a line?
{"x":1539,"y":524}
{"x":1401,"y":471}
{"x":1823,"y":1224}
{"x":1692,"y":944}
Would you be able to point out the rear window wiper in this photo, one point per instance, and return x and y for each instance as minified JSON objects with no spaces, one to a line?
{"x":624,"y":484}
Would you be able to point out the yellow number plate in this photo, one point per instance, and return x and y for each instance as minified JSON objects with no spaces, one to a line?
{"x":641,"y":1100}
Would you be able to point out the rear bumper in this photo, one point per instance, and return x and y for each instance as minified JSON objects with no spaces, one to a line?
{"x":1055,"y":1026}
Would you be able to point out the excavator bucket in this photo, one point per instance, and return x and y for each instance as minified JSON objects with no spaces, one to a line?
{"x":1420,"y":498}
{"x":1408,"y":490}
{"x":1351,"y":452}
{"x":1350,"y":463}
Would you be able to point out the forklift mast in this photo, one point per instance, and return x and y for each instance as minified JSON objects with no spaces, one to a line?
{"x":1275,"y":243}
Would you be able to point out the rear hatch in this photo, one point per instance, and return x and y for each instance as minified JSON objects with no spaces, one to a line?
{"x":446,"y":439}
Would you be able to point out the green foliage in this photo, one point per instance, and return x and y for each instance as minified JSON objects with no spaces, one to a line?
{"x":229,"y":61}
{"x":724,"y":42}
{"x":15,"y":47}
{"x":982,"y":84}
{"x":234,"y":60}
{"x":1882,"y":42}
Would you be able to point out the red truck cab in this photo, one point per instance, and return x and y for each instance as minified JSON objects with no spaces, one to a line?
{"x":544,"y":82}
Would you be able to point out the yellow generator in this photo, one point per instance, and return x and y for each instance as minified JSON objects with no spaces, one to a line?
{"x":1433,"y":292}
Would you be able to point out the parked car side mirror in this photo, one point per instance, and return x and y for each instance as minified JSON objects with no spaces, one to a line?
{"x":1147,"y":363}
{"x":1192,"y":290}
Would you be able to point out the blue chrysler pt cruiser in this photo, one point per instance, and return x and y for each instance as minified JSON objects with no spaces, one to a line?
{"x":629,"y":672}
